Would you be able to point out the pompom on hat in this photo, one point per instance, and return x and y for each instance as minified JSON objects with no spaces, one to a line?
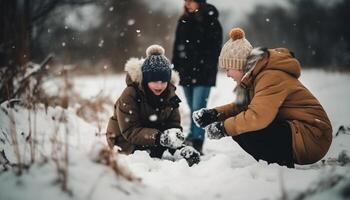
{"x":235,"y":51}
{"x":156,"y":66}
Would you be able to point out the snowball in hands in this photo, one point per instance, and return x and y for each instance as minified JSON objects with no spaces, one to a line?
{"x":215,"y":130}
{"x":190,"y":154}
{"x":172,"y":138}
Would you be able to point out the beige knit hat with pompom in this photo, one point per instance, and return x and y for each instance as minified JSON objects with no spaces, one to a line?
{"x":235,"y":51}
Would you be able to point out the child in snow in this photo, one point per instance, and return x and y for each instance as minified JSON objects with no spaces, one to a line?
{"x":146,"y":115}
{"x":275,"y":117}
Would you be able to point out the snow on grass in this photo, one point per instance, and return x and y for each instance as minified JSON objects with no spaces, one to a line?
{"x":225,"y":172}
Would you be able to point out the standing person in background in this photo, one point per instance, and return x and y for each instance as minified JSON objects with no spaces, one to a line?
{"x":196,"y":50}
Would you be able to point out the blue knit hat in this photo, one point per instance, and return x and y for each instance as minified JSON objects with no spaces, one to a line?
{"x":156,"y":66}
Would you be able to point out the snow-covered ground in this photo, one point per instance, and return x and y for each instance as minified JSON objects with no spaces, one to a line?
{"x":225,"y":172}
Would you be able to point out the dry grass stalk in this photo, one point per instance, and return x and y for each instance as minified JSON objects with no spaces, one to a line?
{"x":93,"y":110}
{"x":15,"y":143}
{"x":60,"y":155}
{"x":60,"y":150}
{"x":107,"y":157}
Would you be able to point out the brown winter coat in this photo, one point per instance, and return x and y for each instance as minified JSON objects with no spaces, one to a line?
{"x":135,"y":123}
{"x":275,"y":92}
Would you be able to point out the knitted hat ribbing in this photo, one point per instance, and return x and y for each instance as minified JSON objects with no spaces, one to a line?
{"x":235,"y":51}
{"x":156,"y":66}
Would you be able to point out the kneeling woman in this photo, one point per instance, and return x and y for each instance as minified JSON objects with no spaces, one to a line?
{"x":146,"y":115}
{"x":275,"y":117}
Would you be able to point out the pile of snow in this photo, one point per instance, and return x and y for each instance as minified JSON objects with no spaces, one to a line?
{"x":225,"y":170}
{"x":87,"y":179}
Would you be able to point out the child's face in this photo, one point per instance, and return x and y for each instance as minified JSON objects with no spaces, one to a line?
{"x":236,"y":75}
{"x":157,"y":87}
{"x":191,"y":5}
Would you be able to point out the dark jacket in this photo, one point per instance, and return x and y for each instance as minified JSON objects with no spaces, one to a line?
{"x":197,"y":47}
{"x":137,"y":121}
{"x":275,"y":92}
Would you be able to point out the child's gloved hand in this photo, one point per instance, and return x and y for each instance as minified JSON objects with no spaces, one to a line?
{"x":204,"y":117}
{"x":216,"y":130}
{"x":190,"y":154}
{"x":172,"y":138}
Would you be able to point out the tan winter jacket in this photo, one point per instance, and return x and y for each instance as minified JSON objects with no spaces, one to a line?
{"x":275,"y":92}
{"x":135,"y":123}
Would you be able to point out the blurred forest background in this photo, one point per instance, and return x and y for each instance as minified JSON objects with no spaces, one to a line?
{"x":95,"y":35}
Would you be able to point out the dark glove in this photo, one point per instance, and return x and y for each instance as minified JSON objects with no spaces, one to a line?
{"x":216,"y":130}
{"x":204,"y":116}
{"x":190,"y":154}
{"x":171,"y":138}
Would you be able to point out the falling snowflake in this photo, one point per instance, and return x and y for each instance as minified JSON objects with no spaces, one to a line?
{"x":111,"y":8}
{"x":131,"y":22}
{"x":63,"y":44}
{"x":100,"y":44}
{"x":180,"y":47}
{"x":153,"y":118}
{"x":182,"y":55}
{"x":211,"y":12}
{"x":267,"y":19}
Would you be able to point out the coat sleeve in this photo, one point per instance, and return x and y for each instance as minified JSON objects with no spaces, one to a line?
{"x":177,"y":48}
{"x":112,"y":129}
{"x":270,"y":93}
{"x":213,"y":42}
{"x":174,"y":120}
{"x":127,"y":112}
{"x":228,"y":110}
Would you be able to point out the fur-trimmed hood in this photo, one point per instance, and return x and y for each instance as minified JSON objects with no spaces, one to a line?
{"x":261,"y":59}
{"x":242,"y":95}
{"x":134,"y":73}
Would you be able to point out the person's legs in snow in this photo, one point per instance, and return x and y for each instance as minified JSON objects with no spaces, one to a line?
{"x":199,"y":99}
{"x":188,"y":91}
{"x":272,"y":144}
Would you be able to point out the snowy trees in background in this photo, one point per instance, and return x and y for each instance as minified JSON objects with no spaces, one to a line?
{"x":102,"y":35}
{"x":92,"y":34}
{"x":314,"y":30}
